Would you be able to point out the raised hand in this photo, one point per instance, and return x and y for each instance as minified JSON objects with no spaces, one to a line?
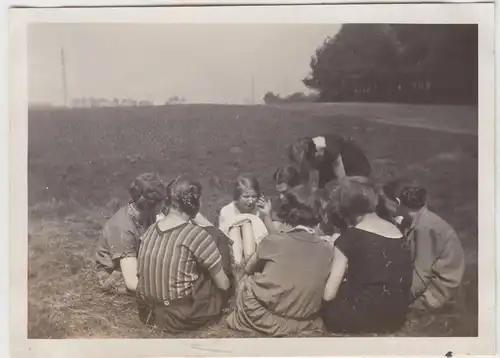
{"x":264,"y":206}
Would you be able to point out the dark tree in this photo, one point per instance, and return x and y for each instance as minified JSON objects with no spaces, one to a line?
{"x":402,"y":63}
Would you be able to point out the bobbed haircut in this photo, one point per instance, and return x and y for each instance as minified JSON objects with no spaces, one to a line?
{"x":147,"y":191}
{"x":302,"y":205}
{"x":355,"y":196}
{"x":302,"y":149}
{"x":287,"y":175}
{"x":243,"y":182}
{"x":184,"y":195}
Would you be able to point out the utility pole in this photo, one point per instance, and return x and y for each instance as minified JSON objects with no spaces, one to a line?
{"x":63,"y":77}
{"x":253,"y":91}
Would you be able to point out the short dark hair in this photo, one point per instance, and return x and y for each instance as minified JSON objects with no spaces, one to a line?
{"x":243,"y":182}
{"x":355,"y":196}
{"x":413,"y":197}
{"x":287,"y":175}
{"x":302,"y":206}
{"x":184,"y":194}
{"x":147,"y":190}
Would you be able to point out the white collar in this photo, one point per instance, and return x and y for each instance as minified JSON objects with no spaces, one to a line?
{"x":319,"y":142}
{"x":303,"y":228}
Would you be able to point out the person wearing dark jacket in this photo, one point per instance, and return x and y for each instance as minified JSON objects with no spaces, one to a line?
{"x":330,"y":156}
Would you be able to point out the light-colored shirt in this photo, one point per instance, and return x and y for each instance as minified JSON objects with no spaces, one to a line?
{"x":230,"y":214}
{"x":438,"y":258}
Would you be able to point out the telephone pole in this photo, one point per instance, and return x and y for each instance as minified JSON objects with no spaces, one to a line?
{"x":253,"y":90}
{"x":63,"y":77}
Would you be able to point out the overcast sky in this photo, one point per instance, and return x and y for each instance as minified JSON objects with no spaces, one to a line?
{"x":203,"y":63}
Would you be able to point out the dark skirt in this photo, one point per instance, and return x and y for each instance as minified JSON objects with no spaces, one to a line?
{"x":357,"y":313}
{"x":203,"y":307}
{"x":251,"y":315}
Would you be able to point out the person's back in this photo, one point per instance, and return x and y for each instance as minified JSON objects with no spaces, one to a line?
{"x":182,"y":280}
{"x":376,"y":293}
{"x":354,"y":159}
{"x":438,"y":257}
{"x":439,"y":261}
{"x":183,"y":251}
{"x":285,"y":279}
{"x":110,"y":247}
{"x":296,"y":267}
{"x":377,"y":264}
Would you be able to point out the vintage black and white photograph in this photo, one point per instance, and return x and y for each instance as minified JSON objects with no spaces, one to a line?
{"x":253,"y":180}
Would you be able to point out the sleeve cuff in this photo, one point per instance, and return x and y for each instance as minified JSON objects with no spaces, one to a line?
{"x":122,"y":255}
{"x":216,"y":268}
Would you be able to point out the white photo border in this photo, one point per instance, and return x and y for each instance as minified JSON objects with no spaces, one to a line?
{"x":478,"y":13}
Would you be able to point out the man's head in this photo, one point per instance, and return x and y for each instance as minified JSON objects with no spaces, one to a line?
{"x":413,"y":198}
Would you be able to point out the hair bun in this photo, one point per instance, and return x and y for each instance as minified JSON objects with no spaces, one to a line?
{"x":185,"y":195}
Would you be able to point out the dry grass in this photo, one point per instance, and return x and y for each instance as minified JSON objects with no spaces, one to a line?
{"x":81,"y":162}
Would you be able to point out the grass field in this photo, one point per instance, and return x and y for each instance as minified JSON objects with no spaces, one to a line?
{"x":81,"y":161}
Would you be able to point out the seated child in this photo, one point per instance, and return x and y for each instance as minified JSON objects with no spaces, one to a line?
{"x":241,"y":220}
{"x":438,"y":257}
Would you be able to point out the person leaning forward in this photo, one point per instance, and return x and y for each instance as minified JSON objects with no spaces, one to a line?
{"x":117,"y":248}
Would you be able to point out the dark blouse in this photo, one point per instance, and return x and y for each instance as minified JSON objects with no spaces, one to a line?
{"x":376,"y":294}
{"x":354,"y":159}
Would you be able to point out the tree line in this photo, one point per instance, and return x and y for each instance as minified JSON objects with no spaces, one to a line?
{"x":406,"y":63}
{"x":297,"y":97}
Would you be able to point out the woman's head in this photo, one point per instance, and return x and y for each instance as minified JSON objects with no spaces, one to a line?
{"x":148,"y":192}
{"x":354,"y":198}
{"x":286,"y":177}
{"x":184,"y":195}
{"x":302,"y":205}
{"x":246,"y":193}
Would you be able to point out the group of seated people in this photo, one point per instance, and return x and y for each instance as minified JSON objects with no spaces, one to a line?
{"x":351,"y":258}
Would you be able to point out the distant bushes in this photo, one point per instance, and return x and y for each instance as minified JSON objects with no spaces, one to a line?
{"x":297,"y":97}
